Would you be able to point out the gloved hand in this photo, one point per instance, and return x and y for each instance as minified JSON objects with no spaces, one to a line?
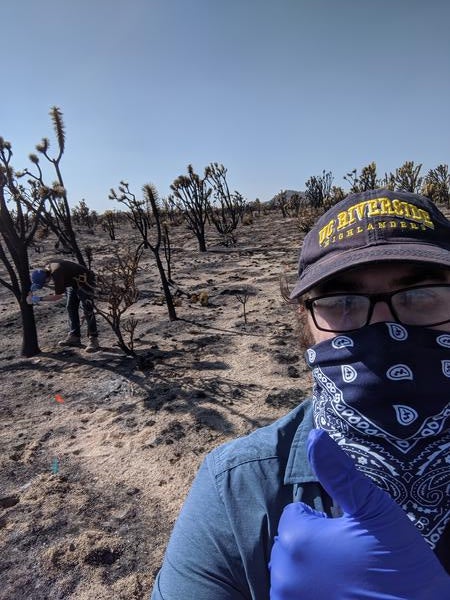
{"x":33,"y":299}
{"x":372,"y":552}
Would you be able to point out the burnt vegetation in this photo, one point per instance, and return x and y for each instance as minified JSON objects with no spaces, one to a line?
{"x":34,"y":208}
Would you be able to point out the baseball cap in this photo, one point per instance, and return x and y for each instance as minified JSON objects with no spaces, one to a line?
{"x":38,"y":278}
{"x":370,"y":227}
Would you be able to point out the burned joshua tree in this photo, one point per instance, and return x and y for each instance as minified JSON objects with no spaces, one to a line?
{"x":436,"y":185}
{"x":108,"y":223}
{"x":190,"y":196}
{"x":55,"y":212}
{"x":227,"y":208}
{"x":318,"y":189}
{"x":366,"y":180}
{"x":17,"y":232}
{"x":406,"y":178}
{"x":145,"y":217}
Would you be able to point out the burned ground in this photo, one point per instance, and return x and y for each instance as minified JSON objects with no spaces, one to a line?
{"x":91,"y":486}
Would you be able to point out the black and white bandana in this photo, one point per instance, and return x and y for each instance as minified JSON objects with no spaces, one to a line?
{"x":383,"y":393}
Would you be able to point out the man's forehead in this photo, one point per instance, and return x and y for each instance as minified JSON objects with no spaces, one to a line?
{"x":391,"y":274}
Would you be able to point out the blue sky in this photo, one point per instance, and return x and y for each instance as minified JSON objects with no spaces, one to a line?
{"x":276,"y":90}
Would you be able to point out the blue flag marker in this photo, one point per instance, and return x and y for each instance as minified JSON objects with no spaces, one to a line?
{"x":55,"y":466}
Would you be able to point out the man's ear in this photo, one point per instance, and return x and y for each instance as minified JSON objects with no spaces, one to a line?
{"x":301,"y":310}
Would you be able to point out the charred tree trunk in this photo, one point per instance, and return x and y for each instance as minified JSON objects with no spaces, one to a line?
{"x":30,"y":345}
{"x":15,"y":237}
{"x":200,"y":234}
{"x":166,"y":289}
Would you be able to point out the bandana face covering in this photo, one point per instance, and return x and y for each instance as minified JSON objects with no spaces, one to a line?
{"x":383,"y":394}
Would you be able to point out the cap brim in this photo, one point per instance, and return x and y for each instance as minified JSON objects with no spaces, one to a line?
{"x":342,"y":261}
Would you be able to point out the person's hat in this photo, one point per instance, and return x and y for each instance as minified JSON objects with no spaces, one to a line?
{"x":38,"y":278}
{"x":370,"y":227}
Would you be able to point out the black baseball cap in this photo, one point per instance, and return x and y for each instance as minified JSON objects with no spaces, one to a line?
{"x":370,"y":227}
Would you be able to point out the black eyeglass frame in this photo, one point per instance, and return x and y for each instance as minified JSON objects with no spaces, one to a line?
{"x":373,"y":299}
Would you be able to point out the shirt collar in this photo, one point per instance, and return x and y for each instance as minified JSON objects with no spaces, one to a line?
{"x":298,"y":469}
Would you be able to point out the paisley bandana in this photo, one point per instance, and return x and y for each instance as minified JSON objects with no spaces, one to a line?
{"x":383,"y":393}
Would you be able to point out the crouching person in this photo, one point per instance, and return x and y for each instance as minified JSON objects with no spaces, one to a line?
{"x":78,"y":284}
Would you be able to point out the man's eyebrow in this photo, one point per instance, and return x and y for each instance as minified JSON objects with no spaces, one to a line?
{"x":350,"y":284}
{"x":421,"y":274}
{"x":336,"y":285}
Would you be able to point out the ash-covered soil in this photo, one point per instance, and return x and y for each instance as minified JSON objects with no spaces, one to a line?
{"x":91,"y":486}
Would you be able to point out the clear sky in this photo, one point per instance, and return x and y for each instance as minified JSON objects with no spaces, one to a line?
{"x":276,"y":90}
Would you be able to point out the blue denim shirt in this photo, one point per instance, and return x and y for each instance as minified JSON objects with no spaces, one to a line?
{"x":221,"y":543}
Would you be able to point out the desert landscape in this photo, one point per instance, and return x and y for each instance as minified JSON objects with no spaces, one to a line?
{"x":98,"y":453}
{"x":122,"y":119}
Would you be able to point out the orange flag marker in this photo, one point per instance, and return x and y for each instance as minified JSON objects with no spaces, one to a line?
{"x":59,"y":398}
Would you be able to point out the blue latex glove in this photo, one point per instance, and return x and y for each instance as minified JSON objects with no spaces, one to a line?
{"x":30,"y":299}
{"x":36,"y":299}
{"x":372,"y":552}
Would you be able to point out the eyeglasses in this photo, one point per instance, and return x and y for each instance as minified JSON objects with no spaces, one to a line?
{"x":423,"y":305}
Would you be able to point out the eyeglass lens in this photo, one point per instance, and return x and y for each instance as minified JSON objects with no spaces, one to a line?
{"x":425,"y":306}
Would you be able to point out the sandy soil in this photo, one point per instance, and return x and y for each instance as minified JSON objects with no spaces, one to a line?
{"x":126,"y":443}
